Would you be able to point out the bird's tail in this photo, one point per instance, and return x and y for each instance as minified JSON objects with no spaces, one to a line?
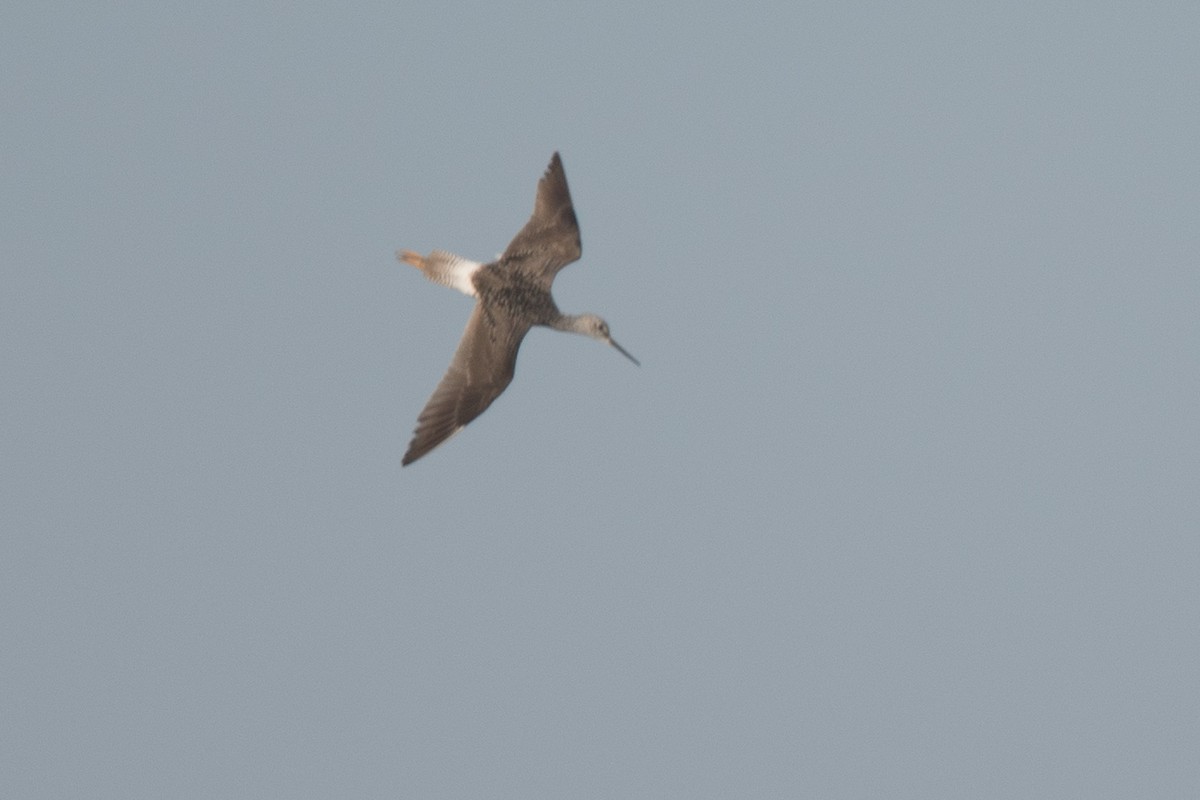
{"x":444,"y":268}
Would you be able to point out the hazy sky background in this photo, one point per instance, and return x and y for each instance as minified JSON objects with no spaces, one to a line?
{"x":904,"y":501}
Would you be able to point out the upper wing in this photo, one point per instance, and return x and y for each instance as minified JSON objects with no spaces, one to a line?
{"x":481,"y":369}
{"x":550,"y":240}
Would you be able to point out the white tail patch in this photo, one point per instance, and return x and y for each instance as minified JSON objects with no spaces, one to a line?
{"x":451,"y":270}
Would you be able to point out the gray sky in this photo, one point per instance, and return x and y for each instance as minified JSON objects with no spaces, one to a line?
{"x":902,"y":503}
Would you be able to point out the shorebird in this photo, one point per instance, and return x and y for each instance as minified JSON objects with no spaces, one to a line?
{"x":512,"y":295}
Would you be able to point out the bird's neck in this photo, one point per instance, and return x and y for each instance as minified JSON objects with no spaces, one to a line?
{"x":567,"y":322}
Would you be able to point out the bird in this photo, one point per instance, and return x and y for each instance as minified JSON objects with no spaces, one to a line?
{"x":512,"y":294}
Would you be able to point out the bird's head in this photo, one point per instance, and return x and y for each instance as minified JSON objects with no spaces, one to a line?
{"x":595,"y":327}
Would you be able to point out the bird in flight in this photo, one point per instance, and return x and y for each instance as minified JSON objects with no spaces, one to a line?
{"x":511,"y":296}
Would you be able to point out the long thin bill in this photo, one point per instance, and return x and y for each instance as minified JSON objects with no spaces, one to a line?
{"x":624,"y":352}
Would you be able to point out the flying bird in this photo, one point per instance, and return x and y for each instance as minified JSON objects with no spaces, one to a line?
{"x":511,"y":296}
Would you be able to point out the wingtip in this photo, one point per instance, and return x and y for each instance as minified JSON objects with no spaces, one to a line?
{"x":416,"y":450}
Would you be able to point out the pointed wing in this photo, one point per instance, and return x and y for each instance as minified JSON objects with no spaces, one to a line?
{"x":550,"y":240}
{"x":481,"y":370}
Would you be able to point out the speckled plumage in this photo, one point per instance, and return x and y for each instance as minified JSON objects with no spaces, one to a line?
{"x":513,"y":295}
